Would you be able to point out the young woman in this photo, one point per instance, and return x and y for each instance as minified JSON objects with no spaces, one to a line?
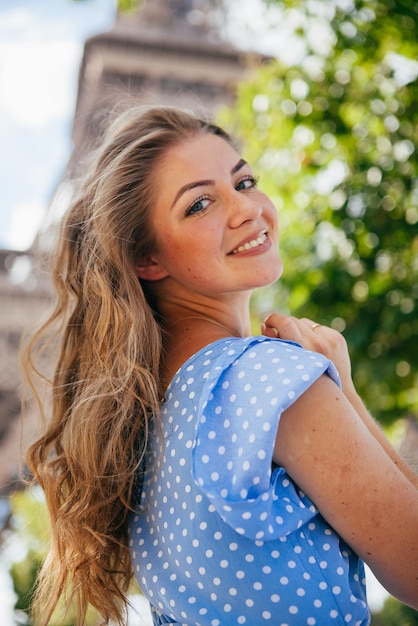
{"x":239,"y":477}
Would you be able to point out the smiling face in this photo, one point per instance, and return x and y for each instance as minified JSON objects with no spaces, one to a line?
{"x":216,"y":233}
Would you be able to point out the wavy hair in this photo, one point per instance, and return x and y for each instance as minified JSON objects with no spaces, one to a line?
{"x":105,"y":388}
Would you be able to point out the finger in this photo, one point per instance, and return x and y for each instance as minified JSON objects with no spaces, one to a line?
{"x":285,"y":326}
{"x":268,"y":331}
{"x":276,"y":320}
{"x":311,"y":324}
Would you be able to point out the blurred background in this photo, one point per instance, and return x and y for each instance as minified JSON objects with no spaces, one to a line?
{"x":324,"y":97}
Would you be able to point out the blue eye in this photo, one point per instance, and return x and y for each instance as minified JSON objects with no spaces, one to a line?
{"x":246,"y":183}
{"x":198,"y":206}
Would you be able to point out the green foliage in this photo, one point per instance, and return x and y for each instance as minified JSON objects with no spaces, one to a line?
{"x":334,"y":139}
{"x":394,"y":613}
{"x":24,"y":575}
{"x":30,"y":520}
{"x":128,"y":5}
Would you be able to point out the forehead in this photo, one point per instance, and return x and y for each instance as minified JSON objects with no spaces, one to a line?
{"x":197,"y":155}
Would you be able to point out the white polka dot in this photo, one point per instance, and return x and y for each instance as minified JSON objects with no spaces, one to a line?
{"x":226,"y":448}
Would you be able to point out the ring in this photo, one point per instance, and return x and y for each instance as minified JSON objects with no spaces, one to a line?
{"x":315,"y":326}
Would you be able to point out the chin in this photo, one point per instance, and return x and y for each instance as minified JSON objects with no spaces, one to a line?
{"x":273,"y":273}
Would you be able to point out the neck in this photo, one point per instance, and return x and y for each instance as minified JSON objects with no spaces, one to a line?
{"x":234,"y":322}
{"x":229,"y":330}
{"x":191,"y":325}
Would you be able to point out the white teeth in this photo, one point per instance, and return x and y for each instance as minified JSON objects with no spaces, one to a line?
{"x":251,"y":244}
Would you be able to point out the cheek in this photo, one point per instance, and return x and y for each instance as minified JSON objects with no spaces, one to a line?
{"x":190,"y":249}
{"x":178,"y":255}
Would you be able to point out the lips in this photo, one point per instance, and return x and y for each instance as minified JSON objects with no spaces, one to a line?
{"x":253,"y":243}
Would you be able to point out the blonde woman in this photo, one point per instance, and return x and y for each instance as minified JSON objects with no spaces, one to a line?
{"x":239,"y":478}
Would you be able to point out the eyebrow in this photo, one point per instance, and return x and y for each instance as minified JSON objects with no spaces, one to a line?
{"x":202,"y":183}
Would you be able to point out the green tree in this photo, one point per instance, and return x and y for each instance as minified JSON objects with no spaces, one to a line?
{"x":128,"y":5}
{"x":30,"y":521}
{"x":395,"y":613}
{"x":334,"y":139}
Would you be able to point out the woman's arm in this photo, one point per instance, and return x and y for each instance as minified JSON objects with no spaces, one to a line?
{"x":333,"y":345}
{"x":330,"y":445}
{"x":331,"y":454}
{"x":375,"y":430}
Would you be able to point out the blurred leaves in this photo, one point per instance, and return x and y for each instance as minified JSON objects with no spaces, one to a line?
{"x":31,"y":522}
{"x":334,"y":137}
{"x":128,"y":5}
{"x":394,"y":613}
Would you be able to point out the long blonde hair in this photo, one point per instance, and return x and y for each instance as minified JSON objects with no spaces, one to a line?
{"x":106,"y":387}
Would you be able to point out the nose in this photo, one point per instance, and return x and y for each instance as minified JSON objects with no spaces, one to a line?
{"x":243,"y":209}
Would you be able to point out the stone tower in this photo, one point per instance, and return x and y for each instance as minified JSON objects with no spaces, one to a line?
{"x":166,"y":53}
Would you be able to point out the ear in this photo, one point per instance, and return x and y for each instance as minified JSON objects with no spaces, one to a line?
{"x":148,"y":268}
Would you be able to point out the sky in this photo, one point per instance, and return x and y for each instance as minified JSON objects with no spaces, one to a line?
{"x":41,"y":46}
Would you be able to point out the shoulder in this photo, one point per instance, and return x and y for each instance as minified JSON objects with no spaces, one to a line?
{"x":263,"y":362}
{"x":257,"y":352}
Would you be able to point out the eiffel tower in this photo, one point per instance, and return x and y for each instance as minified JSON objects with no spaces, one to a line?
{"x":166,"y":52}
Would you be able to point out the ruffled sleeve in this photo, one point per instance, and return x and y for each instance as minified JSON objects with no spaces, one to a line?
{"x":249,"y":386}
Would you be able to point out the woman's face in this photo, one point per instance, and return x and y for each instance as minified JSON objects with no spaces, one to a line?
{"x":216,"y":233}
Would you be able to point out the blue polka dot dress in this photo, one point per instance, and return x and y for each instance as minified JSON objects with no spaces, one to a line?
{"x":220,"y":538}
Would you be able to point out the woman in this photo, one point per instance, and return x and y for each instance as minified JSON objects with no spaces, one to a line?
{"x":241,"y":476}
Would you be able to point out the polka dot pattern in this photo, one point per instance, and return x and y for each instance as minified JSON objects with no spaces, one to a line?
{"x":222,"y":538}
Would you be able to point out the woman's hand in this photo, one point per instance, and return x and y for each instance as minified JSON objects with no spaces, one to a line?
{"x":315,"y":337}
